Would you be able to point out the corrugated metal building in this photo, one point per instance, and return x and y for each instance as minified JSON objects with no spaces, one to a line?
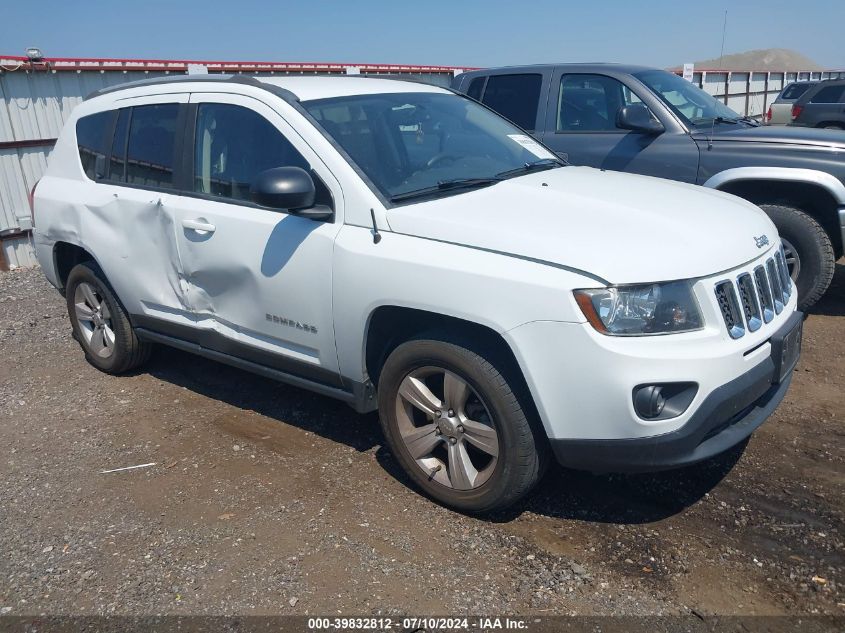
{"x":37,"y":97}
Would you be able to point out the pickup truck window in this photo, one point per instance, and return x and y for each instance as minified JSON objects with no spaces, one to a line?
{"x":475,"y":88}
{"x":515,"y":97}
{"x":589,"y":103}
{"x":691,"y":104}
{"x":407,"y":142}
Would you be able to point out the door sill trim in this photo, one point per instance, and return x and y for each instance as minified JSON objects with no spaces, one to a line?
{"x":361,"y":397}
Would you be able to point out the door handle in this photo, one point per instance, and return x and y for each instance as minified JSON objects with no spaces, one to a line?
{"x":199,"y":225}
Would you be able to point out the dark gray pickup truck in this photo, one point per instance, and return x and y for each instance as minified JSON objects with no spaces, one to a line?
{"x":648,"y":121}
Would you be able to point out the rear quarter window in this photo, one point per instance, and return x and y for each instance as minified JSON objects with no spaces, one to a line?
{"x":828,"y":94}
{"x":93,"y":138}
{"x":795,"y":90}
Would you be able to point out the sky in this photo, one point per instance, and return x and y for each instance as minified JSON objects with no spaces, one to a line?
{"x":462,"y":33}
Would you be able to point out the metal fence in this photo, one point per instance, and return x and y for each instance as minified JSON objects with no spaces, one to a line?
{"x":751,"y":93}
{"x":36,"y":98}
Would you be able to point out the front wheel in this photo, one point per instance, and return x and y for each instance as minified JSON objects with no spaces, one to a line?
{"x":457,"y":427}
{"x":808,"y":250}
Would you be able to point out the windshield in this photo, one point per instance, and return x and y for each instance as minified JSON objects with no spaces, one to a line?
{"x":690,"y":103}
{"x":427,"y":143}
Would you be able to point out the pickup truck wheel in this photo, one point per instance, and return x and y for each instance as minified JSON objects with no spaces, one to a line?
{"x":99,"y":322}
{"x":808,"y":251}
{"x":456,"y":426}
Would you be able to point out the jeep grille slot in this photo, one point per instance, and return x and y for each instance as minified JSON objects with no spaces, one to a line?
{"x":774,"y":281}
{"x":729,"y":305}
{"x":764,"y":293}
{"x":748,"y":301}
{"x":785,"y":281}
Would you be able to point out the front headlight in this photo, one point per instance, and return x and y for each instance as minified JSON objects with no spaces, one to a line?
{"x":662,"y":308}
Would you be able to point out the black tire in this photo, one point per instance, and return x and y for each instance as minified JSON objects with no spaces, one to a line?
{"x":128,"y":351}
{"x":813,"y":248}
{"x":523,"y":447}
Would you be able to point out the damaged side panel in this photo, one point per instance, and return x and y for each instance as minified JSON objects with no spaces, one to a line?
{"x":130,"y":234}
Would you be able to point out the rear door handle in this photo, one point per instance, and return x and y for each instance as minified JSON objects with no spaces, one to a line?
{"x":200,"y":225}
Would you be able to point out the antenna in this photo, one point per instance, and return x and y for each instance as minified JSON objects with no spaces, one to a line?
{"x":724,"y":30}
{"x":721,"y":55}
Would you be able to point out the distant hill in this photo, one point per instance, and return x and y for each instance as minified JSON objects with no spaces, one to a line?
{"x":766,"y":59}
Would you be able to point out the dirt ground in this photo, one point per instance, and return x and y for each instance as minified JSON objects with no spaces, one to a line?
{"x":266,"y":499}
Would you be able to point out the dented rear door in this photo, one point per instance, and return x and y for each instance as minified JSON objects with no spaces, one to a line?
{"x":128,"y":222}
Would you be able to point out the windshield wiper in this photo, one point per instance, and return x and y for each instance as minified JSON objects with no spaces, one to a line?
{"x":543,"y":163}
{"x":749,"y":120}
{"x":444,"y":185}
{"x":716,"y":119}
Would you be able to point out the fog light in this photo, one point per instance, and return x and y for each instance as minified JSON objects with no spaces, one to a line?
{"x":663,"y":401}
{"x":649,"y":401}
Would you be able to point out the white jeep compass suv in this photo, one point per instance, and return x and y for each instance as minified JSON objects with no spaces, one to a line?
{"x":401,"y":247}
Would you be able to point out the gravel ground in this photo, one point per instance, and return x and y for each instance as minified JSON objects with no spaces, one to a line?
{"x":266,"y":499}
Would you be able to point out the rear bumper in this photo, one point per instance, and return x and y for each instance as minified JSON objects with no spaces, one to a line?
{"x":730,"y":414}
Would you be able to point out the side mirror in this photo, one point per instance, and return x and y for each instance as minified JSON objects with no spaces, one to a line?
{"x":638,"y":118}
{"x":289,"y":189}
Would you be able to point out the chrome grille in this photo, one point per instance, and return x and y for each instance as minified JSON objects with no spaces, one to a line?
{"x":729,"y":306}
{"x":754,"y":297}
{"x":780,"y":259}
{"x":764,"y":291}
{"x":774,"y":281}
{"x":748,"y":301}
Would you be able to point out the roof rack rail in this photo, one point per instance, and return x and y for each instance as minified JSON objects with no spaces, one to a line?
{"x":285,"y":94}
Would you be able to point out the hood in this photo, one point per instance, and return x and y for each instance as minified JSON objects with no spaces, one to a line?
{"x":619,"y":228}
{"x":783,"y":134}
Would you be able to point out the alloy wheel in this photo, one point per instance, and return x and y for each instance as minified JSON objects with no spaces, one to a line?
{"x":95,"y":322}
{"x":447,"y":428}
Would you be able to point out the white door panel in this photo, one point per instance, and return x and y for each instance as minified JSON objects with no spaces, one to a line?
{"x":133,"y":228}
{"x":259,"y":281}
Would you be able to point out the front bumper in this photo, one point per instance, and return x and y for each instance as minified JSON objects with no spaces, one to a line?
{"x":583,"y":384}
{"x":727,"y":416}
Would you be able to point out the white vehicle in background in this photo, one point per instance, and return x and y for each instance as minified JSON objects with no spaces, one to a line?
{"x":401,"y":247}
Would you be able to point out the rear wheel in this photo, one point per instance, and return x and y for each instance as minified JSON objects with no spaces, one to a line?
{"x":456,"y":426}
{"x":808,"y":250}
{"x":99,"y":322}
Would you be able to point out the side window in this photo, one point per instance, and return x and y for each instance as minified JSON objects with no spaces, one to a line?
{"x":515,"y":97}
{"x":828,"y":94}
{"x":589,"y":103}
{"x":150,"y":151}
{"x":475,"y":88}
{"x":92,"y":141}
{"x":117,"y":164}
{"x":232,"y":145}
